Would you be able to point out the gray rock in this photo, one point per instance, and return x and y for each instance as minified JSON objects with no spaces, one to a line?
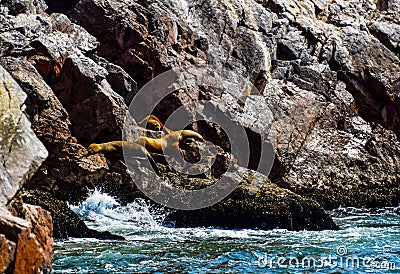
{"x":120,"y":81}
{"x":318,"y":66}
{"x":387,"y":31}
{"x":67,"y":161}
{"x":26,"y":243}
{"x":82,"y":88}
{"x":16,"y":7}
{"x":21,"y":153}
{"x":42,"y":106}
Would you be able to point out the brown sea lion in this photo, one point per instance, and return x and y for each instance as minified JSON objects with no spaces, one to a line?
{"x":169,"y":141}
{"x":153,"y":123}
{"x":131,"y":149}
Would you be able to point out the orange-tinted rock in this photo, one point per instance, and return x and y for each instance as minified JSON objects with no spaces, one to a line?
{"x":6,"y":253}
{"x":35,"y":244}
{"x":26,"y":244}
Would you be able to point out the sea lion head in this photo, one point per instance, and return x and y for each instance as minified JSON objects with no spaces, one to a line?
{"x":151,"y":122}
{"x":184,"y":134}
{"x":94,"y":148}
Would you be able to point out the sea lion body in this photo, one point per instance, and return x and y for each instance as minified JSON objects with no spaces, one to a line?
{"x":154,"y":145}
{"x":130,"y":149}
{"x":169,"y":141}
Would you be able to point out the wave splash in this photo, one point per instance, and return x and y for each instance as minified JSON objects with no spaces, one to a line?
{"x":102,"y":211}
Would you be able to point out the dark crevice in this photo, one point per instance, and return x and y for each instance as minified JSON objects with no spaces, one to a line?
{"x":255,"y":148}
{"x":382,"y":5}
{"x":271,"y":5}
{"x":60,"y":6}
{"x":284,"y":53}
{"x":371,"y":112}
{"x":317,"y":11}
{"x":385,"y":40}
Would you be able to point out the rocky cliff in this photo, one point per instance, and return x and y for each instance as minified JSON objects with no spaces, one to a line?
{"x":328,"y":72}
{"x":26,"y":243}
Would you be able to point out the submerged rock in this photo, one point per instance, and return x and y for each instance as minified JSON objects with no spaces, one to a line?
{"x":256,"y":203}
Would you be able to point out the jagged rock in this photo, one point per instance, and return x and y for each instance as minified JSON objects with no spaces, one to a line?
{"x":49,"y":119}
{"x":7,"y":250}
{"x":29,"y":250}
{"x":305,"y":57}
{"x":68,"y":161}
{"x":61,"y":23}
{"x":82,"y":88}
{"x":21,"y":153}
{"x":16,"y":7}
{"x":328,"y":75}
{"x":130,"y":44}
{"x":26,"y":244}
{"x":29,"y":245}
{"x":120,"y":81}
{"x":387,"y":32}
{"x":268,"y":208}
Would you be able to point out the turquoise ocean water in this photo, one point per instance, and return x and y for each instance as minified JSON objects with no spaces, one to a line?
{"x":368,"y":242}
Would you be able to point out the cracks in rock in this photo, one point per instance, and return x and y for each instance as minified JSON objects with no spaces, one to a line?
{"x":12,"y":133}
{"x":303,"y":142}
{"x":278,"y":10}
{"x":361,"y":87}
{"x":317,"y":11}
{"x":384,"y":40}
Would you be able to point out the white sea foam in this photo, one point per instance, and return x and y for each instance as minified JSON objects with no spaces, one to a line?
{"x":103,"y":212}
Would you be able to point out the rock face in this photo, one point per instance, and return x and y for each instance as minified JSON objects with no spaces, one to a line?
{"x":327,"y":72}
{"x":20,"y":151}
{"x":330,"y":78}
{"x":26,"y":240}
{"x":67,"y":162}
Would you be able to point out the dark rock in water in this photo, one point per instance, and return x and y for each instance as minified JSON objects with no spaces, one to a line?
{"x":65,"y":222}
{"x":257,"y":203}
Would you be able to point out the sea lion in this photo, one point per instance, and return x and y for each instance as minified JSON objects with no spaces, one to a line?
{"x":131,"y":149}
{"x":153,"y":123}
{"x":169,"y":141}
